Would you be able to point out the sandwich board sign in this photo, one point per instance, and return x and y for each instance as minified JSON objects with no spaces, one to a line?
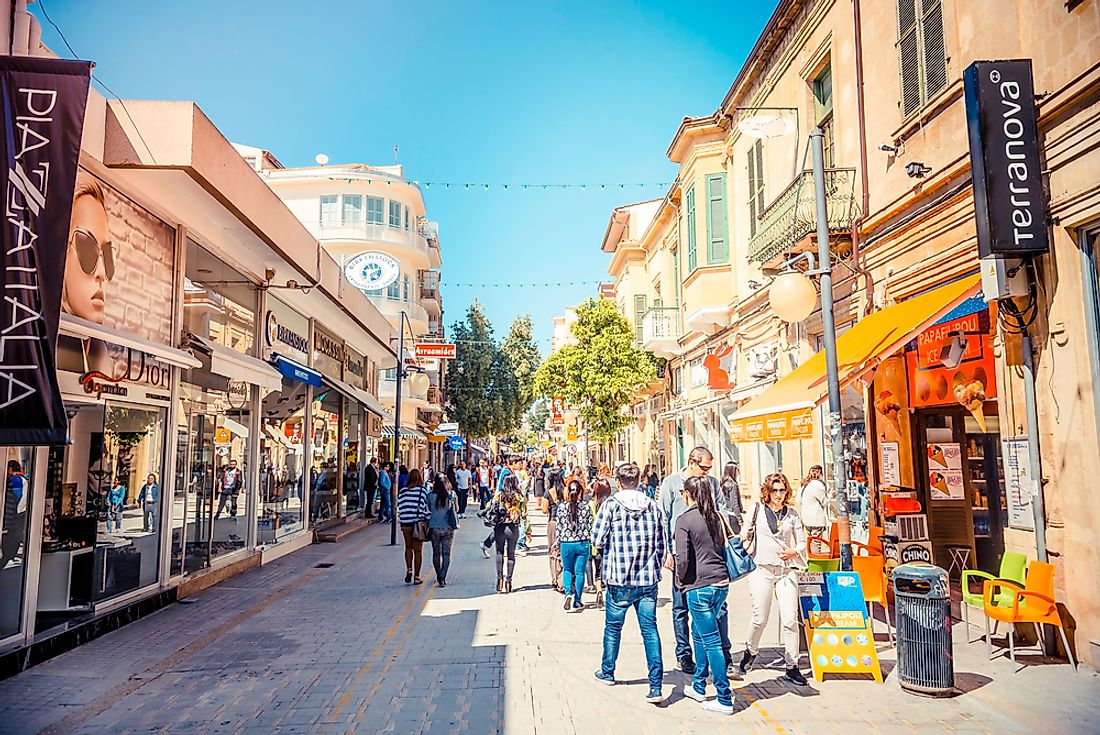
{"x":837,"y":625}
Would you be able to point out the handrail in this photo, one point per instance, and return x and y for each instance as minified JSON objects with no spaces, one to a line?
{"x":792,"y":215}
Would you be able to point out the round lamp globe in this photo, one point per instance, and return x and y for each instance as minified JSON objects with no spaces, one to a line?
{"x":792,"y":297}
{"x":418,"y":383}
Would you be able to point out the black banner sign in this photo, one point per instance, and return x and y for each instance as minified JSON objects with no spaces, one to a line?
{"x":1009,"y":202}
{"x":44,"y":101}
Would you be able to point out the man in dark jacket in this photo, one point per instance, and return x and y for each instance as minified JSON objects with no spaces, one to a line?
{"x":370,"y":487}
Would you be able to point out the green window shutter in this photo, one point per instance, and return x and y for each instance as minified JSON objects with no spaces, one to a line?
{"x":752,"y":191}
{"x":691,"y":248}
{"x":717,"y":232}
{"x":932,"y":45}
{"x":639,"y":315}
{"x":908,"y":57}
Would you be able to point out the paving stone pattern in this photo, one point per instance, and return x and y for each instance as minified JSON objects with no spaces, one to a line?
{"x":290,"y":648}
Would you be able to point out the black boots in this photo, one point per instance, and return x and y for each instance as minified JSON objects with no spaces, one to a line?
{"x":746,"y":663}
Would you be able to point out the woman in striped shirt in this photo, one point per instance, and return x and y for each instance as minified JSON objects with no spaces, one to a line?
{"x":413,"y":513}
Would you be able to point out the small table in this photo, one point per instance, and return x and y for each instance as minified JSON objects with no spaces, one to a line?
{"x":960,"y":558}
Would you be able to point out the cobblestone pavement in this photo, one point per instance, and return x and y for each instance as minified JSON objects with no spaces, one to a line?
{"x":297,"y":648}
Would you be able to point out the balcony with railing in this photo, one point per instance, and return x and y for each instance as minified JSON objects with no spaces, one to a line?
{"x":429,"y":292}
{"x":786,"y":225}
{"x":661,"y":331}
{"x":336,"y":232}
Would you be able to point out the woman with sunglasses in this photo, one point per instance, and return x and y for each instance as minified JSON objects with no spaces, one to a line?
{"x":89,"y":266}
{"x":775,"y":538}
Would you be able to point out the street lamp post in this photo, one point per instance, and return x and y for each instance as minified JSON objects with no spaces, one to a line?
{"x":402,"y":373}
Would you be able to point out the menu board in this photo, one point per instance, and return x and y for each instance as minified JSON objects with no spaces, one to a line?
{"x":945,"y":475}
{"x":1019,"y":483}
{"x":890,"y":456}
{"x":837,"y":626}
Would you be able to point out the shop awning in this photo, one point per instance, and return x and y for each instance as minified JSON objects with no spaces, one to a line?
{"x":296,"y":371}
{"x":784,"y":411}
{"x":237,"y":366}
{"x":77,"y":327}
{"x":405,"y":433}
{"x":357,"y":394}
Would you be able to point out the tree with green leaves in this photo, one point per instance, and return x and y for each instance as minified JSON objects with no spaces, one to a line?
{"x":523,"y":354}
{"x":600,"y":373}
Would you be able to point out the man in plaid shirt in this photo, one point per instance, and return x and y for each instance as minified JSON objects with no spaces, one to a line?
{"x":629,"y":532}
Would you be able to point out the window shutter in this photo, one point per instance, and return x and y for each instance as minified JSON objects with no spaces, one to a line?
{"x":639,"y":315}
{"x":717,"y":250}
{"x":935,"y":54}
{"x":752,"y":191}
{"x":759,"y":179}
{"x":908,"y":57}
{"x":691,"y":254}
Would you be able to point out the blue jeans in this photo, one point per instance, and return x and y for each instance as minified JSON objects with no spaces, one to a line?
{"x":574,"y":558}
{"x":682,"y":629}
{"x":644,"y":601}
{"x":384,"y":502}
{"x":706,"y":604}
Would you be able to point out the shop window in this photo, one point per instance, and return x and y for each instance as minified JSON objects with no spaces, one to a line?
{"x":395,"y":214}
{"x":354,"y":457}
{"x":14,"y":507}
{"x":375,"y":207}
{"x":326,"y":456}
{"x":282,"y":464}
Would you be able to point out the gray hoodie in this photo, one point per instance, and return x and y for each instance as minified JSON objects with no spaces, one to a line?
{"x":672,"y":504}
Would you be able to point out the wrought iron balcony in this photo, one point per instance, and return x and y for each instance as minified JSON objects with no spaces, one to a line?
{"x":661,"y":331}
{"x":793,"y":215}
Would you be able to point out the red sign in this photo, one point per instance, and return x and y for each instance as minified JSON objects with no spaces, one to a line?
{"x":721,"y":369}
{"x":557,"y":409}
{"x":953,"y":363}
{"x":445,"y":350}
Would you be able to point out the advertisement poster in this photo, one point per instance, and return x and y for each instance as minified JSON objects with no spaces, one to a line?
{"x":837,"y":626}
{"x":1019,"y":484}
{"x":119,"y":275}
{"x":890,"y":463}
{"x":945,"y":476}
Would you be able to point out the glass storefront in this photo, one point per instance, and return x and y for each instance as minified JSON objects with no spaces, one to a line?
{"x":326,"y":464}
{"x":282,"y":463}
{"x":353,"y":456}
{"x":14,"y":506}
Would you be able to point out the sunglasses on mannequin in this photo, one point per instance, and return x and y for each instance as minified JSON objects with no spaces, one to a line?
{"x":89,"y":251}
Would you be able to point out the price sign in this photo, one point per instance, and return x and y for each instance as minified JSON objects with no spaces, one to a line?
{"x":837,"y":626}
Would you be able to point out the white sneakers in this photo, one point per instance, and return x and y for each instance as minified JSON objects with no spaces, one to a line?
{"x":710,"y":705}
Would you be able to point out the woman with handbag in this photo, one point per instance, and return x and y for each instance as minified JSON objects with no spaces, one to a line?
{"x":413,"y":514}
{"x":505,"y":512}
{"x":441,"y":527}
{"x":702,"y":574}
{"x":776,"y":540}
{"x":574,"y":540}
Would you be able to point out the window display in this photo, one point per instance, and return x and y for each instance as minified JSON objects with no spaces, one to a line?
{"x":282,"y":463}
{"x":14,"y":506}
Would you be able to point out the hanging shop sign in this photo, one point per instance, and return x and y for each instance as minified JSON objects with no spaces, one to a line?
{"x":837,"y":626}
{"x":953,"y":363}
{"x":372,"y":270}
{"x":355,"y":368}
{"x":441,"y":350}
{"x":285,"y":331}
{"x":1009,"y":203}
{"x":571,"y":433}
{"x":557,"y":411}
{"x":44,"y":101}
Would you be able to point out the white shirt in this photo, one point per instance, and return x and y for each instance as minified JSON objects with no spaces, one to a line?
{"x":768,"y":545}
{"x":463,"y":477}
{"x":813,"y":504}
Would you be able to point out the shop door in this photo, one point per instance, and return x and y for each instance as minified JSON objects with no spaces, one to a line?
{"x":199,"y":502}
{"x":943,"y":482}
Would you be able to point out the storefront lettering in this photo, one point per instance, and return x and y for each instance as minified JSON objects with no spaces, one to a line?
{"x":328,"y":346}
{"x":277,"y":332}
{"x":140,"y":369}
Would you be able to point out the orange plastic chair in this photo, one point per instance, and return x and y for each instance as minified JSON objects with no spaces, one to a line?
{"x":872,"y":577}
{"x":874,"y":539}
{"x":1032,"y":603}
{"x":813,"y":543}
{"x":859,"y":549}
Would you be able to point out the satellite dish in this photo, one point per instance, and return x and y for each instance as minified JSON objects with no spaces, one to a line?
{"x":321,"y":159}
{"x":768,"y":125}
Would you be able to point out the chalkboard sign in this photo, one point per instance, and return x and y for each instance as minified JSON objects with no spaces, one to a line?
{"x":837,"y":625}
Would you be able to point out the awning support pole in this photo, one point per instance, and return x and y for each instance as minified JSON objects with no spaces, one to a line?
{"x":833,"y":428}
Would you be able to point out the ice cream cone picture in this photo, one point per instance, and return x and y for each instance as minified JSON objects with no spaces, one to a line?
{"x":889,"y":408}
{"x":939,"y":482}
{"x":971,"y":394}
{"x":935,"y":456}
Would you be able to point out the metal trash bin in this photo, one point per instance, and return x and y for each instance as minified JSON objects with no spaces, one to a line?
{"x":926,"y":662}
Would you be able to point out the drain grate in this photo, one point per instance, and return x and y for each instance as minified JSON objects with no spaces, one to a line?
{"x":324,"y":565}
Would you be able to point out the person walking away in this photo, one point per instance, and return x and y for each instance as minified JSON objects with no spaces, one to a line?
{"x":813,"y":508}
{"x":553,"y":548}
{"x":148,"y":499}
{"x":116,"y":497}
{"x":700,"y":463}
{"x":701,"y":573}
{"x":17,"y":492}
{"x":730,"y":487}
{"x":601,"y":491}
{"x":510,"y":463}
{"x":232,"y":479}
{"x":484,"y":483}
{"x":775,"y":537}
{"x":441,"y":527}
{"x":462,"y":482}
{"x":370,"y":488}
{"x":402,"y":477}
{"x":506,"y":511}
{"x":413,"y":513}
{"x":574,"y":535}
{"x":519,"y":468}
{"x":385,"y":490}
{"x":629,"y":533}
{"x":649,"y":481}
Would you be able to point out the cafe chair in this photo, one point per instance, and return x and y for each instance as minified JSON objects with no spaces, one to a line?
{"x":1013,"y":569}
{"x":1032,"y":603}
{"x":872,"y":578}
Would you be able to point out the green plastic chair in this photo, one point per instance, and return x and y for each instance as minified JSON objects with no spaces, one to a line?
{"x":833,"y":565}
{"x":1013,"y":569}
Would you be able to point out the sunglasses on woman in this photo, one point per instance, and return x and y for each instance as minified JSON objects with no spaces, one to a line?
{"x":89,"y":251}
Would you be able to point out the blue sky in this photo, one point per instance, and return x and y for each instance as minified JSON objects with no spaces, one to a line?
{"x":490,"y":92}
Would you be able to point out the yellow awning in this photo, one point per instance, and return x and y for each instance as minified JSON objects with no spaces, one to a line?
{"x":784,"y":411}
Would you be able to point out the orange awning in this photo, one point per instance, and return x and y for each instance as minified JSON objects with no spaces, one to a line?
{"x":784,"y":411}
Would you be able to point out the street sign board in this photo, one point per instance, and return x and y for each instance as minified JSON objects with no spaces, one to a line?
{"x":444,"y":350}
{"x":456,"y":443}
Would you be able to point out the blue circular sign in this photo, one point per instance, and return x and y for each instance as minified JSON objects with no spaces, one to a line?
{"x":456,"y":442}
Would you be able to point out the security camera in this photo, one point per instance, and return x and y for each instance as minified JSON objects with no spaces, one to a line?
{"x":951,"y":354}
{"x":269,"y":275}
{"x":888,"y":148}
{"x":292,"y":284}
{"x":917,"y":170}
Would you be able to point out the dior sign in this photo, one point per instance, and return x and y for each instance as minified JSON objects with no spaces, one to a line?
{"x":1010,"y":206}
{"x":44,"y":101}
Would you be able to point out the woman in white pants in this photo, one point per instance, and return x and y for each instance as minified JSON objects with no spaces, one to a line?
{"x":775,"y":530}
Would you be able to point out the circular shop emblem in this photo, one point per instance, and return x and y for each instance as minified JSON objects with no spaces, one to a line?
{"x":372,"y":271}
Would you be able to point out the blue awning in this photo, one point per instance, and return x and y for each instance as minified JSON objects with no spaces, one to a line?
{"x":296,"y":371}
